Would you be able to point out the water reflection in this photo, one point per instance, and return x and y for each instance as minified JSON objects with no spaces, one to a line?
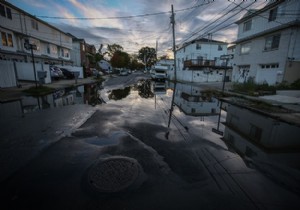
{"x":144,"y":89}
{"x":119,"y":94}
{"x":194,"y":100}
{"x":85,"y":94}
{"x":159,"y":88}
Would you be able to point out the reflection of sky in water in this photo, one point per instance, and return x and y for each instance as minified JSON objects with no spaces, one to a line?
{"x":156,"y":110}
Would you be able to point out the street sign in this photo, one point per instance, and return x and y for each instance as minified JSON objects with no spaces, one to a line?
{"x":33,"y":46}
{"x":27,"y":46}
{"x":225,"y":57}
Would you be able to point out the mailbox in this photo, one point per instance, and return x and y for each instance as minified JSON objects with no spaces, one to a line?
{"x":76,"y":75}
{"x":42,"y":75}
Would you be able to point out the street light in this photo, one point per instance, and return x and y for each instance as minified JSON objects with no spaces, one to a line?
{"x":31,"y":47}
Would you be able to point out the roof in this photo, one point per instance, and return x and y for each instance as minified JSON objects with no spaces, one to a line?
{"x":32,"y":16}
{"x":201,"y":40}
{"x":74,"y":38}
{"x":205,"y":40}
{"x":252,"y":12}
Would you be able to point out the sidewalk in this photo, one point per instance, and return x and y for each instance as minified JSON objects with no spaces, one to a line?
{"x":16,"y":93}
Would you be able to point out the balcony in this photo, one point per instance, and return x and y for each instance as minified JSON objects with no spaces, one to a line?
{"x":198,"y":64}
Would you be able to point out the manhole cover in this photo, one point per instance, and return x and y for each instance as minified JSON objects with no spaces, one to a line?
{"x":114,"y":174}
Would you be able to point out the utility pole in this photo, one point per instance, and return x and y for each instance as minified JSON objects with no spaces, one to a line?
{"x":174,"y":46}
{"x":156,"y":46}
{"x":175,"y":76}
{"x":31,"y":47}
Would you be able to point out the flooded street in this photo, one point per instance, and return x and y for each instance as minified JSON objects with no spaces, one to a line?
{"x":114,"y":148}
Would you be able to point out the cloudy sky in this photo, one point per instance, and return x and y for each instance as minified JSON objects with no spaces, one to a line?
{"x":134,"y":24}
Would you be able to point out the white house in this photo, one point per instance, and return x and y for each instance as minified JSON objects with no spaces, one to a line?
{"x":199,"y":61}
{"x":268,"y":44}
{"x":17,"y":26}
{"x":105,"y":65}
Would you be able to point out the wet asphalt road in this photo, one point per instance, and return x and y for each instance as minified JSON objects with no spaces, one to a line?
{"x":175,"y":168}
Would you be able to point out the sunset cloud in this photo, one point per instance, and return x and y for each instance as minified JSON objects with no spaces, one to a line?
{"x":138,"y":23}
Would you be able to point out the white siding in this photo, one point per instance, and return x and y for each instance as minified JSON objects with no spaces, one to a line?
{"x":208,"y":51}
{"x":260,"y":23}
{"x":268,"y":65}
{"x":39,"y":33}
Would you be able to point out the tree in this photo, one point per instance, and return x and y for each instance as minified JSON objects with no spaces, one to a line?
{"x":147,"y":55}
{"x":163,"y":57}
{"x":120,"y":59}
{"x":111,"y":49}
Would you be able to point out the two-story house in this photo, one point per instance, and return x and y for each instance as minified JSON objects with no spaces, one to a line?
{"x":199,"y":61}
{"x":267,"y":45}
{"x":53,"y":46}
{"x":83,"y":54}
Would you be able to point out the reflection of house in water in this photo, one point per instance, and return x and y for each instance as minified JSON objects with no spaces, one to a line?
{"x":12,"y":108}
{"x":159,"y":88}
{"x":193,"y":100}
{"x":260,"y":130}
{"x":62,"y":98}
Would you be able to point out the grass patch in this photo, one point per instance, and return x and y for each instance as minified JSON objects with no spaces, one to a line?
{"x":39,"y":91}
{"x":252,"y":89}
{"x":99,"y":79}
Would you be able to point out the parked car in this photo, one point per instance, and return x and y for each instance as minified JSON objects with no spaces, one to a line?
{"x":56,"y":72}
{"x":123,"y":72}
{"x":97,"y":73}
{"x":68,"y":73}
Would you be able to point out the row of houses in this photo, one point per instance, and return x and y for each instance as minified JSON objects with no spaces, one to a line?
{"x":266,"y":50}
{"x":53,"y":46}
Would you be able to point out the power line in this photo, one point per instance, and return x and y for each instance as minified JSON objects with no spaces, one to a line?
{"x":213,"y":21}
{"x":253,"y":12}
{"x":122,"y":17}
{"x":210,"y":24}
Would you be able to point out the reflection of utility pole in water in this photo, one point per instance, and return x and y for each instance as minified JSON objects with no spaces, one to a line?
{"x":174,"y":52}
{"x":172,"y":105}
{"x":155,"y":101}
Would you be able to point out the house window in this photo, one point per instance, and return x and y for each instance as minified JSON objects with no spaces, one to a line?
{"x":231,"y":139}
{"x":34,"y":24}
{"x":245,"y":48}
{"x":247,"y":25}
{"x":268,"y":66}
{"x":4,"y":40}
{"x":220,"y":47}
{"x":233,"y":120}
{"x":7,"y":39}
{"x":2,"y":10}
{"x":273,"y":14}
{"x":272,"y":42}
{"x":8,"y":13}
{"x":48,"y":49}
{"x":255,"y":133}
{"x":198,"y":46}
